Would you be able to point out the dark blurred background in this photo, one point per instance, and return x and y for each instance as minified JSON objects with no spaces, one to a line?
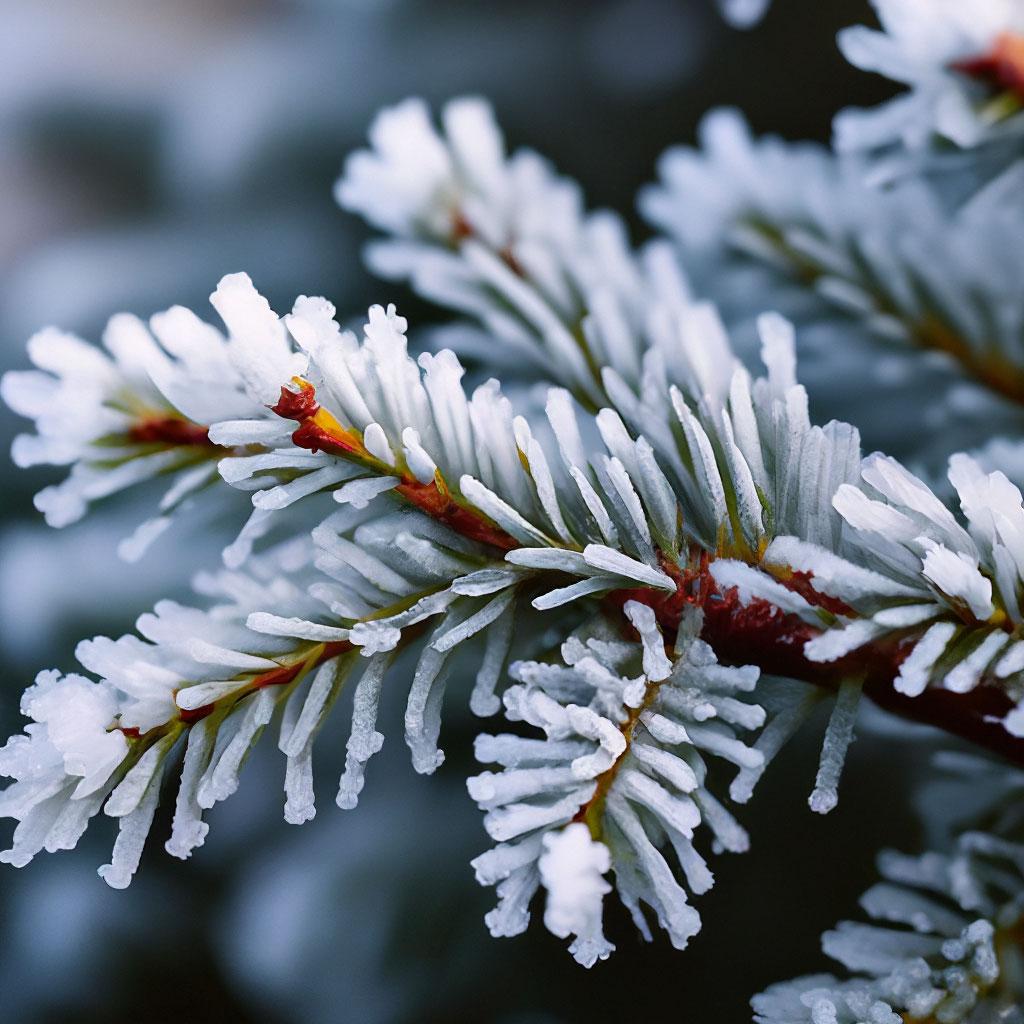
{"x":147,"y":149}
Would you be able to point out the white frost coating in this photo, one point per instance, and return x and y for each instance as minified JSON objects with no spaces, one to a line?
{"x":133,"y":829}
{"x":275,"y":498}
{"x":511,"y":915}
{"x":611,"y":744}
{"x":658,"y":495}
{"x":179,"y":370}
{"x":729,"y":834}
{"x":707,"y":474}
{"x":931,"y":953}
{"x":672,"y":769}
{"x":794,"y":702}
{"x":484,"y":581}
{"x":128,"y":793}
{"x":837,"y":642}
{"x":677,"y":814}
{"x":455,"y":205}
{"x":543,"y":480}
{"x":477,"y":218}
{"x":967,"y":673}
{"x":303,"y":629}
{"x":1014,"y":722}
{"x":502,"y":860}
{"x":132,"y":548}
{"x":476,"y":622}
{"x":501,"y":512}
{"x":251,"y":471}
{"x":964,"y":675}
{"x":423,"y":710}
{"x":270,"y":432}
{"x":256,"y":526}
{"x":751,"y":583}
{"x":188,"y":830}
{"x":778,"y":351}
{"x":956,"y":575}
{"x":608,"y":560}
{"x":675,"y":914}
{"x":375,"y":441}
{"x":527,"y":504}
{"x":483,"y":701}
{"x":900,"y":487}
{"x":557,"y":559}
{"x":364,"y":740}
{"x":1011,"y":662}
{"x":838,"y":737}
{"x":863,"y":513}
{"x":298,"y":729}
{"x":191,"y":698}
{"x":258,"y":344}
{"x":635,"y":518}
{"x":656,"y":663}
{"x":583,"y":706}
{"x":374,"y":638}
{"x":69,"y":825}
{"x":565,"y":595}
{"x":903,"y":615}
{"x":571,"y":870}
{"x":74,"y":715}
{"x":832,"y":574}
{"x":215,"y":654}
{"x":359,"y":493}
{"x":921,"y":46}
{"x":186,"y":652}
{"x":221,"y":777}
{"x":375,"y":569}
{"x":595,"y":506}
{"x":422,"y":465}
{"x":916,"y":669}
{"x":397,"y":184}
{"x":300,"y":803}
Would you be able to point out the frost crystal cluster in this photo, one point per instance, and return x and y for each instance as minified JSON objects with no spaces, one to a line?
{"x":947,"y":945}
{"x":619,"y":774}
{"x":654,"y":542}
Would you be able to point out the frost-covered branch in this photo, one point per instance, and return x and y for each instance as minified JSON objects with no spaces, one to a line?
{"x":143,"y":407}
{"x":746,"y":482}
{"x":745,"y":462}
{"x":701,"y":547}
{"x":504,"y":240}
{"x":963,"y":65}
{"x":285,"y":635}
{"x":896,"y":257}
{"x":730,"y":511}
{"x":948,"y":945}
{"x":617,"y":781}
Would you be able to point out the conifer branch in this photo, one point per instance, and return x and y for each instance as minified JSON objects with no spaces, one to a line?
{"x":947,"y":942}
{"x":716,"y":564}
{"x":891,"y":256}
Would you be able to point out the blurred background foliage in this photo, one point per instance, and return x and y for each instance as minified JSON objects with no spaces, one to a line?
{"x":147,"y":149}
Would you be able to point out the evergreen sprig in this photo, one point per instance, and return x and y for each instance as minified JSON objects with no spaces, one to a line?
{"x":713,"y":562}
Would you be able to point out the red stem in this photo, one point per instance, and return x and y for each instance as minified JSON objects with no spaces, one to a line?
{"x":169,"y":430}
